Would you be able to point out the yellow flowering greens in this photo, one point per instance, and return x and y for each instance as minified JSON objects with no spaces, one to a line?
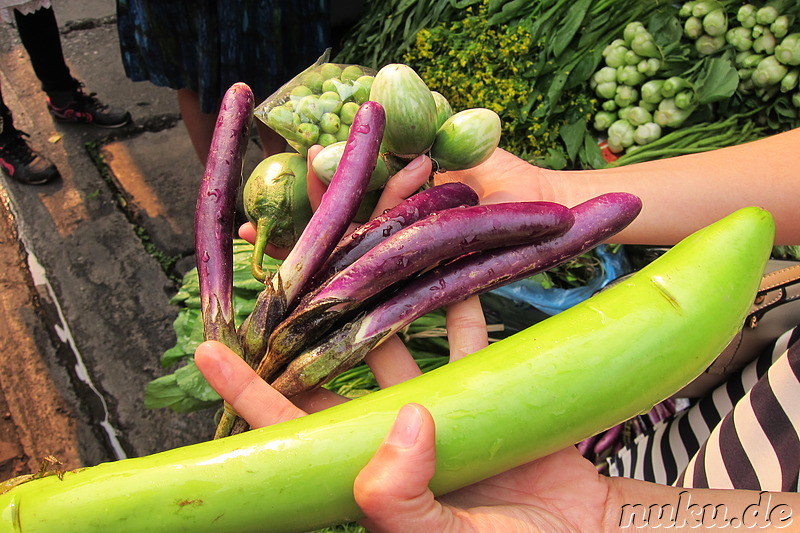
{"x":529,"y":62}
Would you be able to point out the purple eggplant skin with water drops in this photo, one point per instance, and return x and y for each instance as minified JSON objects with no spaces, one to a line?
{"x":214,"y":223}
{"x":441,"y":236}
{"x":595,"y":221}
{"x":412,"y":209}
{"x":339,"y":203}
{"x":325,"y":229}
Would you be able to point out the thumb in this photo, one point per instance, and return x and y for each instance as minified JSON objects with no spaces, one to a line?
{"x":392,"y":490}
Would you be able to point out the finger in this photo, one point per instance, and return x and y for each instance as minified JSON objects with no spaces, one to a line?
{"x":247,"y":231}
{"x":238,"y":384}
{"x":466,"y":328}
{"x":314,"y":185}
{"x":392,"y":363}
{"x":317,"y":400}
{"x":403,"y":184}
{"x":392,"y":490}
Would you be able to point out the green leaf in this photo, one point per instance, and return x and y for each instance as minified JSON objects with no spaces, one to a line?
{"x":192,"y":382}
{"x":719,"y":81}
{"x":590,"y":154}
{"x":569,"y":26}
{"x":665,"y":27}
{"x":573,"y":135}
{"x":165,"y":392}
{"x":172,"y":356}
{"x":553,"y":93}
{"x":554,"y":160}
{"x":461,"y":4}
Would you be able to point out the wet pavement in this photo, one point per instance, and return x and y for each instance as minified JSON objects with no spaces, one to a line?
{"x":90,"y":262}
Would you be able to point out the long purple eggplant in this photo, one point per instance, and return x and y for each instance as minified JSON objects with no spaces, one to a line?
{"x":595,"y":221}
{"x":441,"y":236}
{"x":327,"y":226}
{"x":215,"y":213}
{"x":412,"y":209}
{"x":322,"y":233}
{"x":340,"y":202}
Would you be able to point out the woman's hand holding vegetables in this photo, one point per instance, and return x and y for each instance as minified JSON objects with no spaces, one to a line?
{"x":503,"y":177}
{"x":669,"y":213}
{"x":561,"y":491}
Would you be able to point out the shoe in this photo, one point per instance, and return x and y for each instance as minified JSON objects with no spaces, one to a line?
{"x":87,"y":109}
{"x":24,"y":164}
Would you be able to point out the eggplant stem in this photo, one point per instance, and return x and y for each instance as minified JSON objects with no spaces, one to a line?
{"x":263,"y":232}
{"x":226,"y":422}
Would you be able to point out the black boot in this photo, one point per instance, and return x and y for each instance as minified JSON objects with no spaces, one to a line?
{"x":77,"y":106}
{"x":22,"y":163}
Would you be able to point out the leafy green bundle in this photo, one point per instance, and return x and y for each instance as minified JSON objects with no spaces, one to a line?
{"x":186,"y":390}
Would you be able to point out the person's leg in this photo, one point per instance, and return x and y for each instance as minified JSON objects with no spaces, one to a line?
{"x":66,"y":100}
{"x":271,"y":141}
{"x":17,"y":159}
{"x":40,"y":36}
{"x":199,"y":125}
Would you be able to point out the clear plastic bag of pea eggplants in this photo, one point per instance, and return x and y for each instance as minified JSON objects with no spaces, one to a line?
{"x":317,"y":106}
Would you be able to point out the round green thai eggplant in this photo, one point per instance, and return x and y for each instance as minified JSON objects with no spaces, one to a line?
{"x":410,"y":110}
{"x":443,"y":108}
{"x":276,"y":202}
{"x":327,"y":160}
{"x":466,"y":139}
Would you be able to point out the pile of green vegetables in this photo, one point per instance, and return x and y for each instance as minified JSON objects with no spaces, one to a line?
{"x":318,"y":106}
{"x":530,"y":62}
{"x":713,"y":73}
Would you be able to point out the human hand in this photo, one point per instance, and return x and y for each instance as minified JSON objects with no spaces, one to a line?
{"x":560,"y":492}
{"x":504,"y":177}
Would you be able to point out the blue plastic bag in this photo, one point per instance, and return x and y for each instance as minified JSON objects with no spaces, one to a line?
{"x":554,"y":300}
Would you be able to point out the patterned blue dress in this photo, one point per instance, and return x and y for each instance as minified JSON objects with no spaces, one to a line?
{"x":207,"y":46}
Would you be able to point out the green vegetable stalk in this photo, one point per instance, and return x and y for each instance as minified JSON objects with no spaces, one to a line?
{"x":548,"y":387}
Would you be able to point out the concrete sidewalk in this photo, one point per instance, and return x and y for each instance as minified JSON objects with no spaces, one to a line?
{"x":85,"y":302}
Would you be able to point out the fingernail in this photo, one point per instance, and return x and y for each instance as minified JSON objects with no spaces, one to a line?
{"x":406,"y":428}
{"x":416,"y":162}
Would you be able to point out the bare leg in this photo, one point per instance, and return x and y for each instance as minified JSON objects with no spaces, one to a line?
{"x":199,"y":125}
{"x":271,"y":141}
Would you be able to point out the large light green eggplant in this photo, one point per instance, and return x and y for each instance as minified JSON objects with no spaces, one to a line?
{"x":554,"y":384}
